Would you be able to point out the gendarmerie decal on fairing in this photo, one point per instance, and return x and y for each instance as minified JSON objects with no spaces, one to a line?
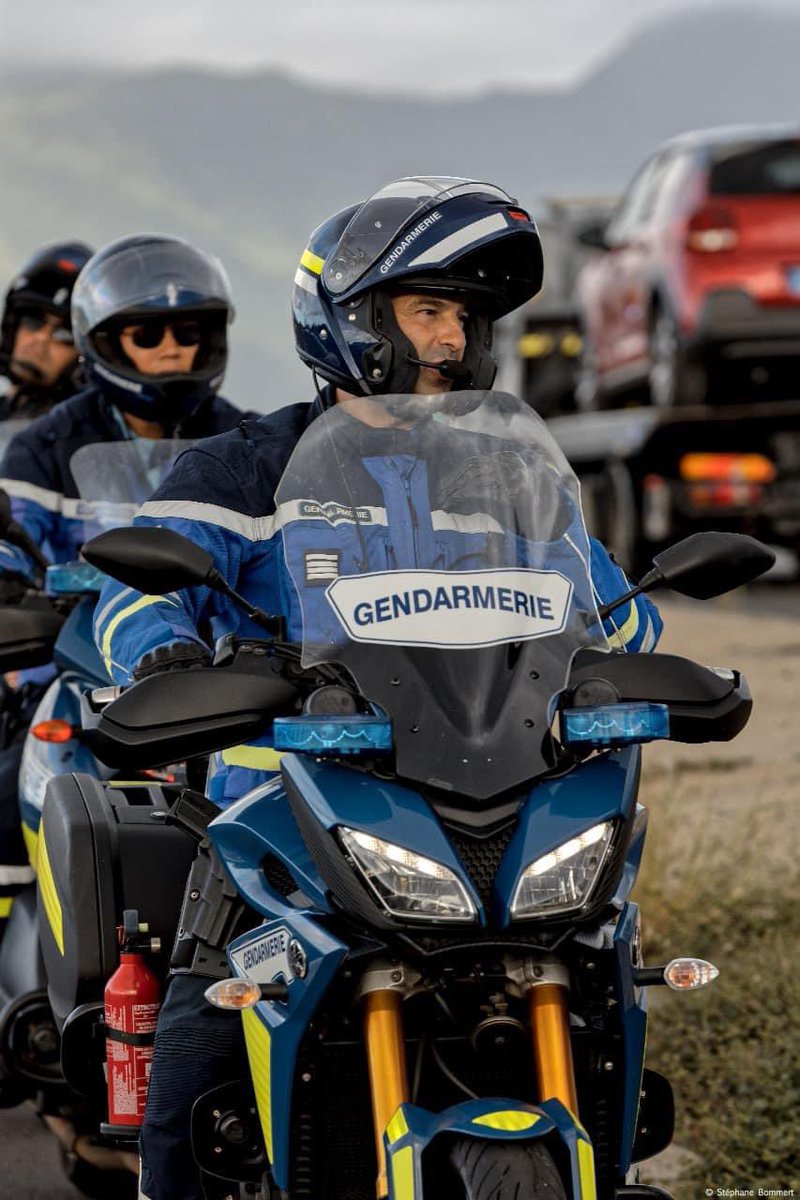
{"x":451,"y":608}
{"x":269,"y":957}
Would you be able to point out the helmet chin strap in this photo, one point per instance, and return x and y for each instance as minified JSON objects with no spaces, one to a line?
{"x":448,"y":368}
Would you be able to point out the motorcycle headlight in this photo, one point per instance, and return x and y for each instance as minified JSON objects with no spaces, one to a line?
{"x":563,"y":880}
{"x":407,"y":884}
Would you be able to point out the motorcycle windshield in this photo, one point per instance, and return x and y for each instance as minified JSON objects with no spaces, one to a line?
{"x":438,"y":552}
{"x":114,"y":479}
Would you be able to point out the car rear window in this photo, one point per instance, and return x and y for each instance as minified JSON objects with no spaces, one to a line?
{"x":756,"y":169}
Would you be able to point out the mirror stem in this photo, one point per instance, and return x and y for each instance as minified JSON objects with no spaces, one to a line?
{"x":606,"y":609}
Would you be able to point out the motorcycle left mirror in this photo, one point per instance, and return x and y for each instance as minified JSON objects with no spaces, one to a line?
{"x":709,"y":564}
{"x":152,"y":560}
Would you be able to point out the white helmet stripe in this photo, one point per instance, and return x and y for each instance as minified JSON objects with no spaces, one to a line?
{"x":460,"y":240}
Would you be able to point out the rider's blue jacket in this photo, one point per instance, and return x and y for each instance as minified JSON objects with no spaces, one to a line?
{"x":36,"y":471}
{"x":221,"y":495}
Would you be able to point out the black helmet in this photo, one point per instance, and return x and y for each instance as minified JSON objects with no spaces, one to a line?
{"x":441,"y":235}
{"x":43,"y":283}
{"x":138,"y":278}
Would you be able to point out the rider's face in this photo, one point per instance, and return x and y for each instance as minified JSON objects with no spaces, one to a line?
{"x":171,"y":354}
{"x":435,"y":326}
{"x":43,"y":349}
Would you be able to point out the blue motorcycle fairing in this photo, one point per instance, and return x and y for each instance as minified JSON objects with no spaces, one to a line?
{"x":75,"y":649}
{"x":258,"y":824}
{"x":633,"y":858}
{"x":602,"y":789}
{"x":42,"y":760}
{"x":412,"y":1129}
{"x":340,"y":796}
{"x":632,"y":1001}
{"x":275,"y":1029}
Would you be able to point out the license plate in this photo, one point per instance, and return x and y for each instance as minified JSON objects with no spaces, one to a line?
{"x":793,"y":280}
{"x":265,"y":959}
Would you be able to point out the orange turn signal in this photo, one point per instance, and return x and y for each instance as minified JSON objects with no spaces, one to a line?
{"x":687,"y":974}
{"x":54,"y":730}
{"x":727,"y":468}
{"x":233,"y":993}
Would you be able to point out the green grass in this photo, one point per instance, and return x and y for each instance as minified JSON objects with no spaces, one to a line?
{"x":732,"y":1051}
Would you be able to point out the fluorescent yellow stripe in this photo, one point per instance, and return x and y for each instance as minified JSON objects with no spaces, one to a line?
{"x":6,"y":904}
{"x":397,"y":1127}
{"x":511,"y":1122}
{"x":31,"y":838}
{"x":47,"y":890}
{"x":257,"y":1040}
{"x":586,"y":1170}
{"x":403,"y":1174}
{"x":312,"y":262}
{"x":256,"y":758}
{"x":628,"y":630}
{"x":128,"y":611}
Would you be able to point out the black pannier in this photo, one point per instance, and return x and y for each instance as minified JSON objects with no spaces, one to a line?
{"x":103,"y":848}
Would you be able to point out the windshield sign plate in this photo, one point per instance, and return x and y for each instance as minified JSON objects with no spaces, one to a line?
{"x":265,"y":959}
{"x":451,"y":609}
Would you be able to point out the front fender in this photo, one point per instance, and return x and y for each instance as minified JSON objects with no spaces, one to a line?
{"x":412,"y":1130}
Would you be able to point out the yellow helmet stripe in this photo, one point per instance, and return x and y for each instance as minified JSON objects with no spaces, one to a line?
{"x":312,"y":262}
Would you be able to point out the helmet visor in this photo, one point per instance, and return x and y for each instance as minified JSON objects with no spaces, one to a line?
{"x":392,"y":220}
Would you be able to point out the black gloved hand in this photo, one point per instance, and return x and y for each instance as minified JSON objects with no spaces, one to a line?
{"x":176,"y":656}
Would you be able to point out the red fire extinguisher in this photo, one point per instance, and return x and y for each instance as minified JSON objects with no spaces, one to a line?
{"x":132,"y":1001}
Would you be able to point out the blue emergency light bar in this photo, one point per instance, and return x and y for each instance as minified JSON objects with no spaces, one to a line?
{"x":73,"y":579}
{"x":614,"y":724}
{"x":332,"y":735}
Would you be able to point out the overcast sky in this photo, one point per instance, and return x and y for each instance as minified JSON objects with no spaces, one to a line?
{"x":397,"y":45}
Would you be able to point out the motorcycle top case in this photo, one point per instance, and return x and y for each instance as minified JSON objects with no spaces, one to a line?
{"x":102,"y":850}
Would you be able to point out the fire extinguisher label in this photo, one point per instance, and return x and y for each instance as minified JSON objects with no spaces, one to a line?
{"x":129,"y":1065}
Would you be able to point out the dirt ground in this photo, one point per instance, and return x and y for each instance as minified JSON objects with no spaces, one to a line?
{"x":725,"y":815}
{"x":731,"y":803}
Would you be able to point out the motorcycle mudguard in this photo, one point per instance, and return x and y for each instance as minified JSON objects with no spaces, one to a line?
{"x":298,"y":952}
{"x":412,"y":1130}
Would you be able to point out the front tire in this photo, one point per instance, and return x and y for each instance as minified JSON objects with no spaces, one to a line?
{"x":505,"y":1171}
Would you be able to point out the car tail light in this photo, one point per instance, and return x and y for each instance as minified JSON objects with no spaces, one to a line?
{"x":726,"y":468}
{"x":711,"y":230}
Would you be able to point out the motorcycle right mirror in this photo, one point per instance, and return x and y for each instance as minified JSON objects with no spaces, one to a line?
{"x":709,"y":564}
{"x":152,"y":560}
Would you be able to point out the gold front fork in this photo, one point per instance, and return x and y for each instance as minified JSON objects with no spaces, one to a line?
{"x":386,"y":1058}
{"x":552,"y":1048}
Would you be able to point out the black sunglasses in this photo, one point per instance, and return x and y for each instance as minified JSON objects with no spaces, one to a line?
{"x":33,"y":322}
{"x":151,"y":334}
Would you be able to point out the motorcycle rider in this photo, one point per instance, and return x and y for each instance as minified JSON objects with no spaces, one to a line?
{"x":150,"y":316}
{"x":394,"y":295}
{"x":37,"y":350}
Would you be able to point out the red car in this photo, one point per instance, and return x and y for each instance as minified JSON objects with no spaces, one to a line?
{"x":695,"y":280}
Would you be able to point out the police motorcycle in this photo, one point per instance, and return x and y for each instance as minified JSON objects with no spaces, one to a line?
{"x":442,"y":985}
{"x":52,"y":624}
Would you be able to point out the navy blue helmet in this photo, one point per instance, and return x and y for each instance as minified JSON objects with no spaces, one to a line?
{"x":43,"y":284}
{"x":140,"y":278}
{"x":438,"y":235}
